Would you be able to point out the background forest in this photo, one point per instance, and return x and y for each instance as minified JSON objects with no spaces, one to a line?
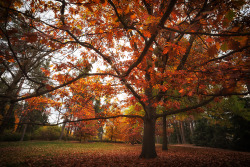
{"x":223,"y":124}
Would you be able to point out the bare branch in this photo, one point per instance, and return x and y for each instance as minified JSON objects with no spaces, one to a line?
{"x":84,"y":119}
{"x":228,"y":34}
{"x":227,"y":94}
{"x":225,"y":56}
{"x":22,"y":67}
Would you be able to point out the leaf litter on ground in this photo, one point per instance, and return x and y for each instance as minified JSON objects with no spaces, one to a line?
{"x":63,"y":154}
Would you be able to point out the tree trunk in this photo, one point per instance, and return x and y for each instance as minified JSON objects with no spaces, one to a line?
{"x":157,"y":139}
{"x":191,"y":128}
{"x":100,"y":133}
{"x":101,"y":136}
{"x":62,"y":132}
{"x":24,"y":131}
{"x":182,"y":132}
{"x":176,"y":127}
{"x":19,"y":126}
{"x":164,"y":134}
{"x":148,"y":143}
{"x":67,"y":133}
{"x":111,"y":133}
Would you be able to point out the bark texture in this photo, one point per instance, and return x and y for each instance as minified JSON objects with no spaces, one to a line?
{"x":148,"y":143}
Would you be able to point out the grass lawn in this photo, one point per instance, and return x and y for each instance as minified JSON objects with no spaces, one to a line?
{"x":43,"y":153}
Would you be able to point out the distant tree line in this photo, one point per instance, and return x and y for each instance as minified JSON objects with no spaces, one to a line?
{"x":229,"y":130}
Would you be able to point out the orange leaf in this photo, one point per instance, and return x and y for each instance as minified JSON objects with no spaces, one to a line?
{"x":165,"y":51}
{"x":190,"y":93}
{"x":11,"y":60}
{"x":133,"y":16}
{"x":147,"y":34}
{"x":181,"y":91}
{"x":209,"y":40}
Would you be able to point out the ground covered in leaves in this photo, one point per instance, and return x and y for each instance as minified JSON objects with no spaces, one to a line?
{"x":40,"y":153}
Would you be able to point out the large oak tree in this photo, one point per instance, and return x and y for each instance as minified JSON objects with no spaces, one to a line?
{"x":157,"y":51}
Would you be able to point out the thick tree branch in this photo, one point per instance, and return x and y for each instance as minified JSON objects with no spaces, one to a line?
{"x":5,"y":83}
{"x":184,"y":58}
{"x":12,"y":99}
{"x":185,"y":109}
{"x":148,"y":7}
{"x":136,"y":95}
{"x":152,"y":39}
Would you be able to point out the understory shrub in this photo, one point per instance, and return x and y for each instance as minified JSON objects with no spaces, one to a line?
{"x":9,"y":135}
{"x":47,"y":133}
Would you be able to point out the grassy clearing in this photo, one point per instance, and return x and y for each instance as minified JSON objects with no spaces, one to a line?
{"x":43,"y":153}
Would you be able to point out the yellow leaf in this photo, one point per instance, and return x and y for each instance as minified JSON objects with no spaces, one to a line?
{"x":7,"y":107}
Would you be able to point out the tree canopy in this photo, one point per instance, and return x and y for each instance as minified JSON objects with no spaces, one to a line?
{"x":169,"y":56}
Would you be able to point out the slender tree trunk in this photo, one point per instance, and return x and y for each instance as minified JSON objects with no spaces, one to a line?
{"x":67,"y":133}
{"x":19,"y":127}
{"x":70,"y":128}
{"x":62,"y":132}
{"x":81,"y":138}
{"x":177,"y":132}
{"x":169,"y":138}
{"x":191,"y":128}
{"x":157,"y":139}
{"x":111,"y":133}
{"x":178,"y":138}
{"x":101,"y":136}
{"x":182,"y":132}
{"x":24,"y":131}
{"x":148,"y":143}
{"x":164,"y":135}
{"x":58,"y":118}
